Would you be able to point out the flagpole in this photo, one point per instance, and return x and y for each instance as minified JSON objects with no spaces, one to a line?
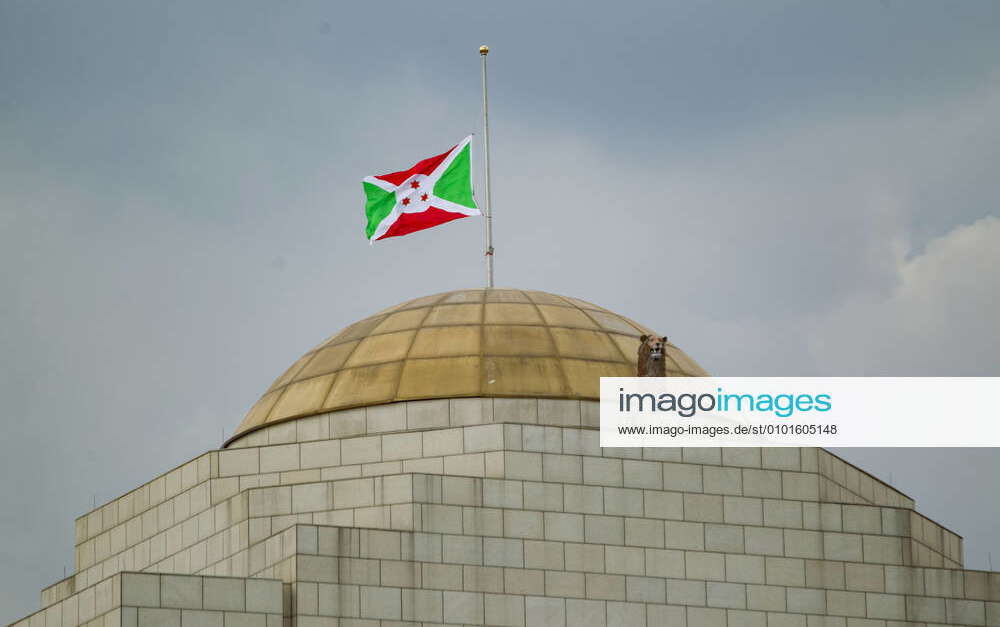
{"x":483,"y":51}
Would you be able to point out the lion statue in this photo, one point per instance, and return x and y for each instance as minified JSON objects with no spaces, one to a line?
{"x":651,"y":362}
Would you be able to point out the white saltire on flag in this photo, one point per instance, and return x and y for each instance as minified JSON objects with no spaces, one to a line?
{"x":432,"y":192}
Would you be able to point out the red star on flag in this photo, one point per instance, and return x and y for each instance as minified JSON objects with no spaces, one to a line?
{"x":406,"y":201}
{"x":423,"y":197}
{"x":414,"y":184}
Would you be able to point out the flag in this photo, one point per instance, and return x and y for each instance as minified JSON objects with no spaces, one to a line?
{"x":432,"y":192}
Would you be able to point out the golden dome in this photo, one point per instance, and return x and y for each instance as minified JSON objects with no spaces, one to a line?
{"x":485,"y":342}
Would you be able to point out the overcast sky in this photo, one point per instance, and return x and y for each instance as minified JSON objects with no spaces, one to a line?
{"x":783,"y":188}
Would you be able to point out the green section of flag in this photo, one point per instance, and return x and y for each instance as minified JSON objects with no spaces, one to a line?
{"x":378,"y":204}
{"x":455,"y":185}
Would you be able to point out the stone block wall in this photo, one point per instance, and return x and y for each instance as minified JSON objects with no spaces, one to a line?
{"x":359,"y":575}
{"x":199,"y":505}
{"x":511,"y":508}
{"x":147,"y":600}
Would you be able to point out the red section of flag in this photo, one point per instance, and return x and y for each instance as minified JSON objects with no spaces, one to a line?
{"x":422,"y":167}
{"x":410,"y":222}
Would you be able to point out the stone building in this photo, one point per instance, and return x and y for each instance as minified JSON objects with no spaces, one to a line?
{"x":439,"y":463}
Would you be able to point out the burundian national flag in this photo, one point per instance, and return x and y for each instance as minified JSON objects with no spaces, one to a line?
{"x":432,"y":192}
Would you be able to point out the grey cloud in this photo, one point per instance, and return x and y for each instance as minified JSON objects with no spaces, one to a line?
{"x":939,"y":320}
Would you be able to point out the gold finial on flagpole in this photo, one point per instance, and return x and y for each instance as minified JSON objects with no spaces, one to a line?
{"x":484,"y":50}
